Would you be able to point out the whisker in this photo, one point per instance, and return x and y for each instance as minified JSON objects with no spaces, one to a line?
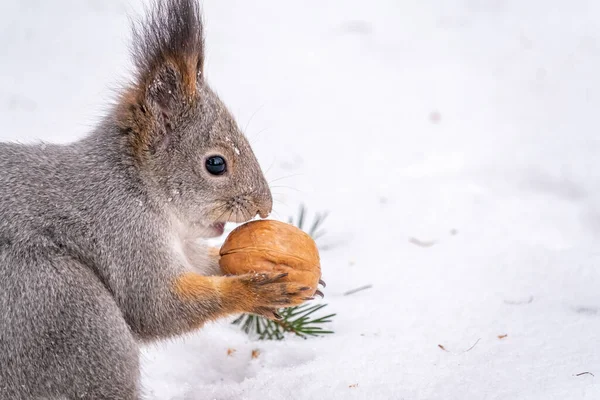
{"x":221,"y":216}
{"x":256,"y":135}
{"x":280,"y":202}
{"x":277,"y":214}
{"x":230,"y":214}
{"x":252,"y":116}
{"x":285,"y":177}
{"x":235,"y":216}
{"x":286,"y":187}
{"x":270,"y":166}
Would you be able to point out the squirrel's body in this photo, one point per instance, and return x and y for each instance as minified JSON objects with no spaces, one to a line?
{"x":99,"y":239}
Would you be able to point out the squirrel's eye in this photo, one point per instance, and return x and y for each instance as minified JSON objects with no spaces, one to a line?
{"x":216,"y":165}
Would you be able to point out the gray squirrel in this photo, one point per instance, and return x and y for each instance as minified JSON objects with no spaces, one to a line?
{"x":99,"y":238}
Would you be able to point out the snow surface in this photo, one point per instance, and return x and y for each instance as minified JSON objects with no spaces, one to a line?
{"x":456,"y":146}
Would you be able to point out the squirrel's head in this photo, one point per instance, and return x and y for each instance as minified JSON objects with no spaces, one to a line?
{"x":182,"y":137}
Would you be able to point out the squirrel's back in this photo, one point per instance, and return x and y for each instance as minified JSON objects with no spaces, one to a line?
{"x":53,"y":195}
{"x":33,"y":182}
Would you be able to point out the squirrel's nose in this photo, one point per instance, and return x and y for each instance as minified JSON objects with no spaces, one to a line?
{"x":265,"y":208}
{"x":265,"y":203}
{"x":264,"y":213}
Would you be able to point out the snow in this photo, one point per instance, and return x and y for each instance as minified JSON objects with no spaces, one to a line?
{"x":468,"y":126}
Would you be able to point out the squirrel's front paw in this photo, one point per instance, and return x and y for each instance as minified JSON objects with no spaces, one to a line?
{"x":266,"y":292}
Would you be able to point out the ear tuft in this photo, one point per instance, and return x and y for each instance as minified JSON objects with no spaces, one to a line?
{"x":168,"y":52}
{"x":172,"y":33}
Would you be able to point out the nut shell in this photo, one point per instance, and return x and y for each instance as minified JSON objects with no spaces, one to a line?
{"x":272,"y":246}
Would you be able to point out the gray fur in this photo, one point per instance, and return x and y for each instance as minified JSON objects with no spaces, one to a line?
{"x":93,"y":233}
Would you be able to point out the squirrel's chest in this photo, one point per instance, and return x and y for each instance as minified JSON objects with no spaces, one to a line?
{"x":189,"y":249}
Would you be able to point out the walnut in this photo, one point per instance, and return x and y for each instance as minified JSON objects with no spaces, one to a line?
{"x":272,"y":246}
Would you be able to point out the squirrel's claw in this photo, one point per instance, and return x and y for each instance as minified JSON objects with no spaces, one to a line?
{"x":319,"y":293}
{"x":277,"y":316}
{"x":322,"y":283}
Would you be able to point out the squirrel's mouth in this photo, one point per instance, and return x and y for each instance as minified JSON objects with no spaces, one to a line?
{"x":215,"y":230}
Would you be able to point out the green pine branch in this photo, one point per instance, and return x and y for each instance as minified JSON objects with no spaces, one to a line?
{"x":301,"y":320}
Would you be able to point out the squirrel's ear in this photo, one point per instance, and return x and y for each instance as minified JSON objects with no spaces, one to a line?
{"x":165,"y":95}
{"x":168,"y":52}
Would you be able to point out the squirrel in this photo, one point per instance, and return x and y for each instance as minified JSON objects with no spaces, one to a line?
{"x":100,"y":248}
